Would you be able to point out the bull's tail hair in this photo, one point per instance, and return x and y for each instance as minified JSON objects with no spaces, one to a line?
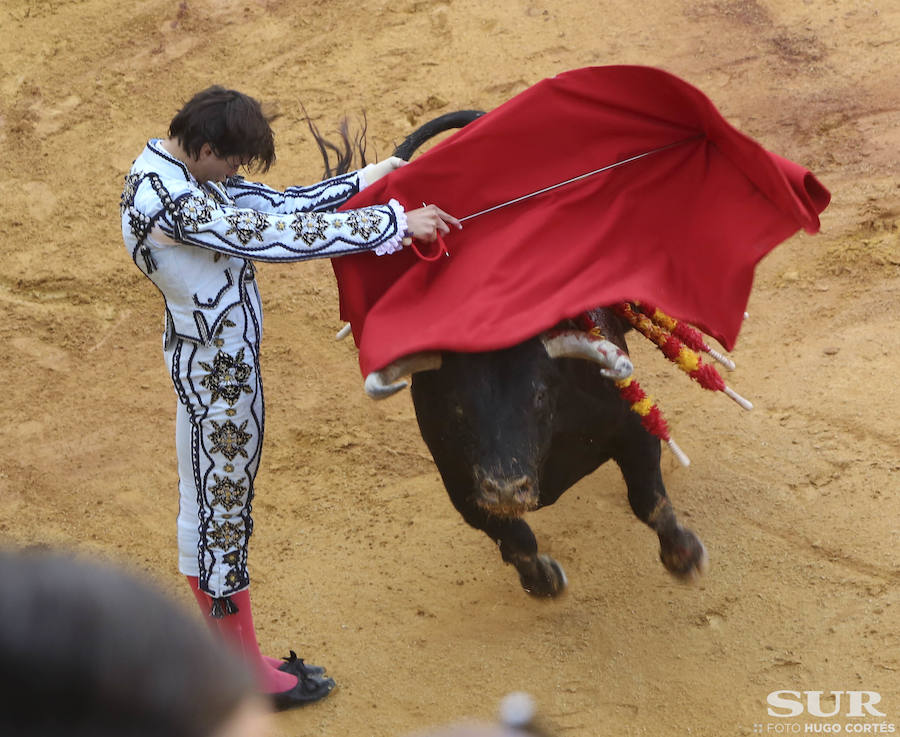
{"x":345,"y":150}
{"x":352,"y":147}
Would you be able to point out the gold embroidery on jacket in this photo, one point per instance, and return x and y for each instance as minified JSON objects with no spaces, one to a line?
{"x":363,"y":223}
{"x":247,"y":225}
{"x":309,"y":227}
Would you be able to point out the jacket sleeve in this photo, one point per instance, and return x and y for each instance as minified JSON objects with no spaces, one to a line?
{"x":325,"y":196}
{"x":200,"y":219}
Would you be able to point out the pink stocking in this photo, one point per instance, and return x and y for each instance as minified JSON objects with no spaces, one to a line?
{"x":237,"y":629}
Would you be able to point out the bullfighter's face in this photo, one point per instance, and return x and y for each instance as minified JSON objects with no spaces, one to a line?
{"x":207,"y":166}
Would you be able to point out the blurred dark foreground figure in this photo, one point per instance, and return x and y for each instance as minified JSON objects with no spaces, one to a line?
{"x":88,"y":651}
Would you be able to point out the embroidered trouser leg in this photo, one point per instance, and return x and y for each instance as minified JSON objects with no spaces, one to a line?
{"x":218,"y":436}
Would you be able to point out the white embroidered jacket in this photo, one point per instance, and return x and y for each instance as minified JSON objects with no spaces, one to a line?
{"x":196,"y":241}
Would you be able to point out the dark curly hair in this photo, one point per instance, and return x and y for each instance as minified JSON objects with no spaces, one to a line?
{"x":232,"y":123}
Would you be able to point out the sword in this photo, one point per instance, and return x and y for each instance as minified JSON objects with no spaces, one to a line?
{"x":580,"y":177}
{"x":442,"y":248}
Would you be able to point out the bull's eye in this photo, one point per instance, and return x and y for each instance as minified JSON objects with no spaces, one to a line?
{"x":458,"y":410}
{"x":540,"y":397}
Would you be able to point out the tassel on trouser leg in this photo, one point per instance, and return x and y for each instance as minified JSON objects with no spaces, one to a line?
{"x":222,"y":607}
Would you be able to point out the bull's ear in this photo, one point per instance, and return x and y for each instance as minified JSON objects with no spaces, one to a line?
{"x":390,"y":379}
{"x":579,"y":344}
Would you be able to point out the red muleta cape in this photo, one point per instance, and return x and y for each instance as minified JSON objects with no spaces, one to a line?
{"x":681,"y":228}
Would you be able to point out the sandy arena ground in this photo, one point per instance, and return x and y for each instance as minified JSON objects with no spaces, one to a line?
{"x":359,"y":561}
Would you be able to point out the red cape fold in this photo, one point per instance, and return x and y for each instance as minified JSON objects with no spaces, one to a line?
{"x":682,"y":228}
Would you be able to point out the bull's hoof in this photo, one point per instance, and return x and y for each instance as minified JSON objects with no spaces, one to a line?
{"x":544,"y":577}
{"x":683,"y":554}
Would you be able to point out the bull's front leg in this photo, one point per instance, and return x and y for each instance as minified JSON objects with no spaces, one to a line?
{"x":680,"y":549}
{"x":539,"y":574}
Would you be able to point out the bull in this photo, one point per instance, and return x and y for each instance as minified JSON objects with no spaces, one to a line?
{"x":510,"y":430}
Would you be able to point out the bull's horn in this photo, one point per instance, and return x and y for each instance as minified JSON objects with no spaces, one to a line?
{"x":343,"y":332}
{"x":579,"y":344}
{"x":387,"y":381}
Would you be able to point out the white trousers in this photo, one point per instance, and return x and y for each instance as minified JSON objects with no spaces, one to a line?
{"x":218,"y":438}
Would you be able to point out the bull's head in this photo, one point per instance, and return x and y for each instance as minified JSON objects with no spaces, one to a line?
{"x":488,"y":418}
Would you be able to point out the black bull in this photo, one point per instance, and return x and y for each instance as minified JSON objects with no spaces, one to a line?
{"x":510,"y":430}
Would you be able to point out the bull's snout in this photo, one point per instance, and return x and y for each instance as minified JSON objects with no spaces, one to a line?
{"x":506,"y":497}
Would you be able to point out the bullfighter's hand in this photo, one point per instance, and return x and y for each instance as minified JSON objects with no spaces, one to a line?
{"x":425,"y":223}
{"x":373,"y":172}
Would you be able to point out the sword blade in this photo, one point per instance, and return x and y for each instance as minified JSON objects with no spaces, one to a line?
{"x":580,"y":177}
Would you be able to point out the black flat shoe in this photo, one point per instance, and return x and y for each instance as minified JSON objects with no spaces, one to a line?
{"x":295,"y":666}
{"x":308,"y":690}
